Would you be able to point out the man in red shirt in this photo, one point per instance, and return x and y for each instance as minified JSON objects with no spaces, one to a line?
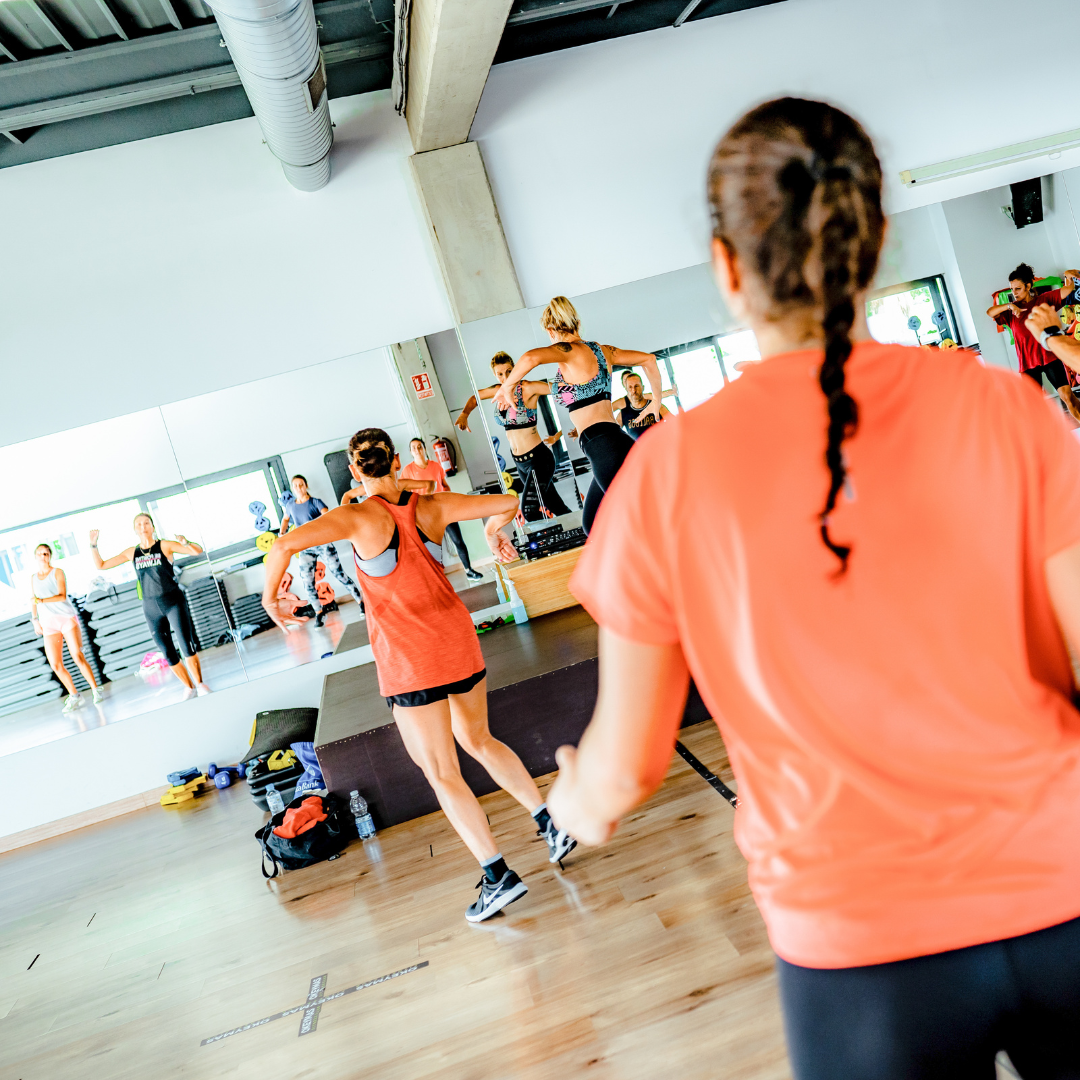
{"x":423,"y":468}
{"x":1034,"y":359}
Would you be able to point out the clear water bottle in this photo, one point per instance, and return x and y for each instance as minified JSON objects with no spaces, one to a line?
{"x":273,"y":800}
{"x":517,"y":606}
{"x":365,"y":827}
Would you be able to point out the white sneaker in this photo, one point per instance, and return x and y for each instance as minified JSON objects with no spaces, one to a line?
{"x":97,"y":695}
{"x":189,"y":692}
{"x":202,"y":690}
{"x":72,"y":703}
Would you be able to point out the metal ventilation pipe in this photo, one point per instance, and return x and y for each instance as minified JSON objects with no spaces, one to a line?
{"x":275,"y":46}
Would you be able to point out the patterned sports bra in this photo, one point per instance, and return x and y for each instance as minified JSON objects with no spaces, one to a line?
{"x":517,"y":417}
{"x":577,"y":395}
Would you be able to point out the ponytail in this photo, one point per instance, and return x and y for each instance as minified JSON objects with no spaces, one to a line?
{"x":795,"y":191}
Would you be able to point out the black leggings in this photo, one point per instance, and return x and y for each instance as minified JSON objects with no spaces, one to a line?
{"x":944,"y":1016}
{"x":539,"y":462}
{"x":168,"y":616}
{"x":453,"y":530}
{"x":606,"y":446}
{"x":1055,"y":372}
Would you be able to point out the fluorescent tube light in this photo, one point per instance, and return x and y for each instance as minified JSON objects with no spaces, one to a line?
{"x":988,"y":159}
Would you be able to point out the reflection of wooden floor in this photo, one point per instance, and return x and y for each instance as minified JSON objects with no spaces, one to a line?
{"x":646,"y":959}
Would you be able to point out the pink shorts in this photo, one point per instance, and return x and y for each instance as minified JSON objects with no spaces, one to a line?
{"x":54,"y":622}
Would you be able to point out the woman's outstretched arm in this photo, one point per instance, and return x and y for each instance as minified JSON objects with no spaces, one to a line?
{"x":115,"y":560}
{"x":484,"y":393}
{"x":529,"y":360}
{"x":625,"y":751}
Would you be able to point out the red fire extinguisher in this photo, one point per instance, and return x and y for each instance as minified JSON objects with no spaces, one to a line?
{"x":445,"y":455}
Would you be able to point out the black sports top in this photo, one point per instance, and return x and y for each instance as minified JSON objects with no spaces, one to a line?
{"x":629,"y":419}
{"x":155,"y":572}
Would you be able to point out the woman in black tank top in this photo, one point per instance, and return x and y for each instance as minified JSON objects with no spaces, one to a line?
{"x":163,"y":601}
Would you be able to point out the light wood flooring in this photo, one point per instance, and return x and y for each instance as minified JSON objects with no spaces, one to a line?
{"x":152,"y":932}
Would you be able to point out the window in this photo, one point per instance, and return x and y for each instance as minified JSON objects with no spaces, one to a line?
{"x":700,"y":368}
{"x":69,"y":537}
{"x":912,"y":313}
{"x":216,"y":514}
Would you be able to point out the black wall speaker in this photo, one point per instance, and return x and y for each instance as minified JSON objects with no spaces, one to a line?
{"x":1027,"y":202}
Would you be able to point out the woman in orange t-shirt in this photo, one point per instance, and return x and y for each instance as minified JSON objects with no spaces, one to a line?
{"x":430,"y":667}
{"x":424,"y":468}
{"x":873,"y":597}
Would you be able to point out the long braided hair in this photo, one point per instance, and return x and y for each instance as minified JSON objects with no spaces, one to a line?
{"x":795,"y":192}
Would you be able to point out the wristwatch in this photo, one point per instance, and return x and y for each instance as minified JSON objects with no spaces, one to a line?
{"x":1049,"y":332}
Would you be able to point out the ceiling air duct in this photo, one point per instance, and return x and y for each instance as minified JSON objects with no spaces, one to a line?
{"x":275,"y":47}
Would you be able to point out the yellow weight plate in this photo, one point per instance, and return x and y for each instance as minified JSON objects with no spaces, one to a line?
{"x":265,"y":541}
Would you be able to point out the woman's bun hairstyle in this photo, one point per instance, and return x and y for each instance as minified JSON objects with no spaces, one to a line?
{"x":561,"y":316}
{"x":1023,"y":273}
{"x":501,"y":358}
{"x":372,"y":452}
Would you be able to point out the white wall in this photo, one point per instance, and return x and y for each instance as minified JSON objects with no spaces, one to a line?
{"x":918,"y":245}
{"x":1061,"y":203}
{"x":89,"y":465}
{"x":988,"y":246}
{"x":150,"y":271}
{"x":106,"y":764}
{"x":597,"y":155}
{"x":283,"y":413}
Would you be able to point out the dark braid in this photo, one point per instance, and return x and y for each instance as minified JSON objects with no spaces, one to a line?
{"x":795,"y":190}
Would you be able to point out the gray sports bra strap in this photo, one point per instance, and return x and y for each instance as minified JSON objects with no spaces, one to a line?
{"x":598,"y":352}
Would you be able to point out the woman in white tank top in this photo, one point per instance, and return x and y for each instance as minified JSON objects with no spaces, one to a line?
{"x":55,"y":620}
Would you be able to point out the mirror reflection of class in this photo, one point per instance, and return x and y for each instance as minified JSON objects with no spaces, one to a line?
{"x":537,"y":402}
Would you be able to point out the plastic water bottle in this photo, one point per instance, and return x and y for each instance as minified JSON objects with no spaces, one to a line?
{"x":365,"y":827}
{"x":273,"y":800}
{"x":517,"y":606}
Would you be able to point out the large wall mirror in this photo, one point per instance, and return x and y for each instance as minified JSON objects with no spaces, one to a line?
{"x":943,"y":265}
{"x":186,"y":499}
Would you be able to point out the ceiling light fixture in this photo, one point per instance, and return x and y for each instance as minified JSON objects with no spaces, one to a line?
{"x":1047,"y":146}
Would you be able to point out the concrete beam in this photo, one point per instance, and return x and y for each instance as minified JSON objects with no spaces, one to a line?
{"x":467,"y":233}
{"x":451,"y":46}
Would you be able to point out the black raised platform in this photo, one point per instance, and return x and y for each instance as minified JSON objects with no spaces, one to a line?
{"x":542,"y":681}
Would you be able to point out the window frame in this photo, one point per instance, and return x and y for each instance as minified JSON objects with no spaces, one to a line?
{"x":939,"y":296}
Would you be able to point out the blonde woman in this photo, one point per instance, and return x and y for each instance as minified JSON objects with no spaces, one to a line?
{"x":163,"y":603}
{"x":583,"y":385}
{"x":55,"y":621}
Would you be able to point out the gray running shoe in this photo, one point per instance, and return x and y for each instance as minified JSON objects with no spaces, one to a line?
{"x":495,"y":895}
{"x":560,"y":843}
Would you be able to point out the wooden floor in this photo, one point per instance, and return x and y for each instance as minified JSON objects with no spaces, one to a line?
{"x":155,"y":931}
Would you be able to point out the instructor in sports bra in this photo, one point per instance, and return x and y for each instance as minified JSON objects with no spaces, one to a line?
{"x":532,"y":454}
{"x":583,"y":385}
{"x":430,"y":667}
{"x":164,"y":606}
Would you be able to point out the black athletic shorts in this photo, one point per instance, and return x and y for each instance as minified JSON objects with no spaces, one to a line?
{"x":416,"y":698}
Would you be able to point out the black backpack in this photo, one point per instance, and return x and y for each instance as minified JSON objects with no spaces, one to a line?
{"x":322,"y":841}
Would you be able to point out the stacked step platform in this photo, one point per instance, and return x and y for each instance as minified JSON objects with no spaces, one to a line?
{"x":249,"y":609}
{"x":26,"y":679}
{"x":208,"y":606}
{"x":121,"y":636}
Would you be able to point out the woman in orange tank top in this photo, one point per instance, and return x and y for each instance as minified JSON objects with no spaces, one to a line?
{"x":429,"y":663}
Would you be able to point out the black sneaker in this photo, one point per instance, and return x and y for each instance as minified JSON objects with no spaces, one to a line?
{"x":473,"y":575}
{"x":560,"y":843}
{"x":494,"y":896}
{"x":320,"y":618}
